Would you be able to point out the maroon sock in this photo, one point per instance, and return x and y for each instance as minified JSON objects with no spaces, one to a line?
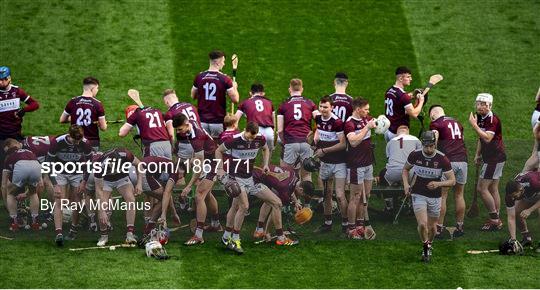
{"x":228,"y":229}
{"x":200,"y":225}
{"x":131,"y":229}
{"x":260,"y":224}
{"x":328,"y":217}
{"x":359,"y":222}
{"x":58,"y":231}
{"x":279,"y":232}
{"x":236,"y":232}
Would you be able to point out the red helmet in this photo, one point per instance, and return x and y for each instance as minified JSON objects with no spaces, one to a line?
{"x":130,"y":109}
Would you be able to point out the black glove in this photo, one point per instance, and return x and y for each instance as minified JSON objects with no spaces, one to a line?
{"x":20,"y":113}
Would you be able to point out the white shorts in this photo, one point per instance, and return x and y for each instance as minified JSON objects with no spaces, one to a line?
{"x":185,"y":150}
{"x":357,"y":175}
{"x":26,"y":172}
{"x":110,"y":185}
{"x":430,"y":204}
{"x":491,"y":170}
{"x":460,"y":171}
{"x":268,"y":133}
{"x":72,"y":179}
{"x":160,"y":149}
{"x":394,"y":176}
{"x":389,"y":135}
{"x":534,"y":118}
{"x":214,"y":129}
{"x":90,"y":183}
{"x":250,"y":186}
{"x":329,"y":170}
{"x":296,"y":152}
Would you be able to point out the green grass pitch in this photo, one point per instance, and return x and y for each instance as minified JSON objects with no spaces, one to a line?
{"x":486,"y":45}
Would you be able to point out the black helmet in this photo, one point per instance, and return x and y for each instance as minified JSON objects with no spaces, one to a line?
{"x":311,"y":164}
{"x":428,"y":138}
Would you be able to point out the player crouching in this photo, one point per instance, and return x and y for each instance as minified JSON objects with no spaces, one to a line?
{"x":21,"y":170}
{"x":522,"y":198}
{"x":428,"y":166}
{"x":285,"y":186}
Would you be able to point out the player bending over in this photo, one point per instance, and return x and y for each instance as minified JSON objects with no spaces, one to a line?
{"x":428,"y":166}
{"x":203,"y":176}
{"x":522,"y":199}
{"x":21,"y":170}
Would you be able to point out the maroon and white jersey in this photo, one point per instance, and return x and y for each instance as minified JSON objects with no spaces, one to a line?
{"x":11,"y":101}
{"x":258,"y":109}
{"x":116,"y":158}
{"x":17,"y":155}
{"x":64,"y":151}
{"x":85,"y":112}
{"x":362,"y":154}
{"x":531,"y":185}
{"x":182,"y":108}
{"x":329,"y":131}
{"x":39,"y":145}
{"x":243,"y":153}
{"x":200,"y":140}
{"x":96,"y":156}
{"x":227,"y":135}
{"x":427,"y":169}
{"x":342,"y":105}
{"x":281,"y":180}
{"x":212,"y":89}
{"x":450,"y":138}
{"x":150,"y":123}
{"x":297,"y":113}
{"x":395,"y":102}
{"x":158,"y":170}
{"x":492,"y":152}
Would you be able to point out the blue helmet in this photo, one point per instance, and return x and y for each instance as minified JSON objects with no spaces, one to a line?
{"x":5,"y":72}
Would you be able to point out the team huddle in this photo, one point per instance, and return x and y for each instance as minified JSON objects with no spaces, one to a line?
{"x":200,"y":146}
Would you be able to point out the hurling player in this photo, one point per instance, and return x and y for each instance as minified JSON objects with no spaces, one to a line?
{"x":87,"y":111}
{"x":203,"y":176}
{"x":183,"y":149}
{"x":112,"y":179}
{"x":243,"y":148}
{"x":294,"y":125}
{"x":449,"y":134}
{"x":330,"y":143}
{"x":210,"y":88}
{"x":286,"y":187}
{"x":357,"y":130}
{"x":397,"y":151}
{"x":259,"y":109}
{"x":152,"y":129}
{"x":428,"y":166}
{"x":64,"y":149}
{"x":21,"y":170}
{"x":11,"y":109}
{"x":490,"y":153}
{"x":522,"y":199}
{"x":342,"y":102}
{"x":397,"y":103}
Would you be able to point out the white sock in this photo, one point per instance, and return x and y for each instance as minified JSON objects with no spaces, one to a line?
{"x":236,"y":237}
{"x":198,"y":233}
{"x":227,"y":235}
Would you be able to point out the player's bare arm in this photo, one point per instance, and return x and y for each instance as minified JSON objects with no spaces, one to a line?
{"x":124,"y":130}
{"x":65,"y":118}
{"x":233,"y":93}
{"x":449,"y":182}
{"x":266,"y":157}
{"x":337,"y":147}
{"x":196,"y":174}
{"x":484,"y":135}
{"x":355,"y":138}
{"x":102,"y":123}
{"x":527,"y":212}
{"x":511,"y":219}
{"x":166,"y":198}
{"x":280,"y":126}
{"x":414,"y":111}
{"x":219,"y":156}
{"x":405,"y":178}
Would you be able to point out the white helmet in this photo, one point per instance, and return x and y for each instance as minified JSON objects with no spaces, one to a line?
{"x":484,"y":97}
{"x":382,"y":124}
{"x":156,"y":250}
